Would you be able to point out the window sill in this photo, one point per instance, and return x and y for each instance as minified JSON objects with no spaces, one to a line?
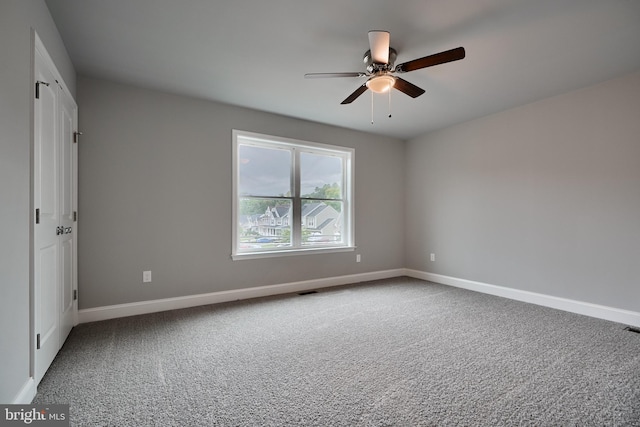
{"x":293,"y":252}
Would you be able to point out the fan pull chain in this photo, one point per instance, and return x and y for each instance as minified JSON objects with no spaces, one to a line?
{"x":371,"y":106}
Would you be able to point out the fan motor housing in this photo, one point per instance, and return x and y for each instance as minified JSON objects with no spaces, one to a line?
{"x":373,"y":67}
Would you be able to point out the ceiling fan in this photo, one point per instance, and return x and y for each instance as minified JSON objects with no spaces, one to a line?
{"x":380,"y":59}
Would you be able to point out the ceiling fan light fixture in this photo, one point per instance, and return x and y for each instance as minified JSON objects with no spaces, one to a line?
{"x":380,"y":64}
{"x":381,"y":84}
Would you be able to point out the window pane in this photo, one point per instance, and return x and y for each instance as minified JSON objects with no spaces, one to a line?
{"x":320,"y":176}
{"x":322,"y":223}
{"x":264,"y":223}
{"x":264,"y":171}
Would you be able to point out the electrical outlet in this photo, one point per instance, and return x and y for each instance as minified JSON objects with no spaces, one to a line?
{"x":358,"y":258}
{"x":433,"y":257}
{"x":146,"y":277}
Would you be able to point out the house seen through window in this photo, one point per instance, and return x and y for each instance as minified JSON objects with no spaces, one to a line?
{"x":290,"y":196}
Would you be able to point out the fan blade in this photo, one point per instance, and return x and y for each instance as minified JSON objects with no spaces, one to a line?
{"x":379,"y":45}
{"x":431,"y":60}
{"x":362,"y":89}
{"x":325,"y":75}
{"x":408,"y":88}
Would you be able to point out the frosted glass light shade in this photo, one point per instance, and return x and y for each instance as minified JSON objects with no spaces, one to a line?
{"x":381,"y":84}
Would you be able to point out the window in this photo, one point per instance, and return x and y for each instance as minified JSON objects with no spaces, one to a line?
{"x":290,"y":196}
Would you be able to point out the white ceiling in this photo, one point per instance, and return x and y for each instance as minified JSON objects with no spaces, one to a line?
{"x":254,"y":53}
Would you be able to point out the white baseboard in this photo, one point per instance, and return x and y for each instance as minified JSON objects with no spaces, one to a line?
{"x":144,"y":307}
{"x":131,"y":309}
{"x":626,"y":317}
{"x":26,"y":393}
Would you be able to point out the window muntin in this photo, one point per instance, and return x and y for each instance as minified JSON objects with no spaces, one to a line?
{"x":290,"y":196}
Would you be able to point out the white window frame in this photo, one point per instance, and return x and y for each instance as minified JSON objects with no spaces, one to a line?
{"x":347,"y":154}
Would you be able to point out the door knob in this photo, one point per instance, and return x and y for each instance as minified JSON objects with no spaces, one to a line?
{"x":63,"y":230}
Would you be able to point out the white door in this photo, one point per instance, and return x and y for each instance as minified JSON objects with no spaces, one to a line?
{"x":55,"y":200}
{"x":68,"y":118}
{"x":47,"y":218}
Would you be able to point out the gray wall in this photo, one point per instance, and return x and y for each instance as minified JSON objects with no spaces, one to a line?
{"x":17,"y":17}
{"x":155,"y":194}
{"x":543,"y":198}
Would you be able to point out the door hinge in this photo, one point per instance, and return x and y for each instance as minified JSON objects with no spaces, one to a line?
{"x":75,"y":294}
{"x":76,"y":136}
{"x":38,"y":83}
{"x":38,"y":342}
{"x":38,"y":216}
{"x":75,"y":216}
